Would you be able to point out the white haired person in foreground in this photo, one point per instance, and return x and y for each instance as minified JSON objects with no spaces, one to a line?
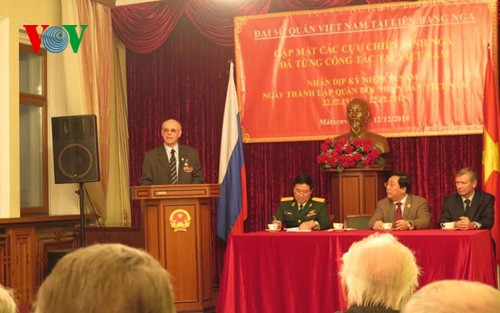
{"x":7,"y":303}
{"x":451,"y":296}
{"x":379,"y":274}
{"x":106,"y":278}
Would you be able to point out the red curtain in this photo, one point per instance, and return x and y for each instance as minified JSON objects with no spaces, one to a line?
{"x":145,"y":27}
{"x":186,"y":78}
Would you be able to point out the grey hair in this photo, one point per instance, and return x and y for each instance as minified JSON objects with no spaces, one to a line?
{"x":379,"y":271}
{"x":467,"y":171}
{"x":7,"y":303}
{"x":107,"y":278}
{"x":450,"y":296}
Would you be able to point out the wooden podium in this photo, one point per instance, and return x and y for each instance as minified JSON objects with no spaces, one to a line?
{"x":177,"y":228}
{"x":357,"y":190}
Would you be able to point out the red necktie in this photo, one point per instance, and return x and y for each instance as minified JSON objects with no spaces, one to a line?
{"x":399,"y":214}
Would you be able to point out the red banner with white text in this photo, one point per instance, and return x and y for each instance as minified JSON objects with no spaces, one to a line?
{"x":419,"y":65}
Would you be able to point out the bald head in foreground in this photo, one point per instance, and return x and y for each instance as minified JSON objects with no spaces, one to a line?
{"x":379,"y":274}
{"x":106,"y":278}
{"x":451,"y":296}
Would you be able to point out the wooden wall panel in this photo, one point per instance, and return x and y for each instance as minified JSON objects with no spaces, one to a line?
{"x":24,"y":245}
{"x":23,"y":262}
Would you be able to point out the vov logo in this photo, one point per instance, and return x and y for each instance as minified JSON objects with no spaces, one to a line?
{"x":55,"y":38}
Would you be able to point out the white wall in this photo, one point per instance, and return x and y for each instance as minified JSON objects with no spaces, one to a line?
{"x":13,"y":14}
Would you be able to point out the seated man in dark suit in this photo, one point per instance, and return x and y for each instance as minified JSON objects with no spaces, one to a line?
{"x":469,"y":207}
{"x":301,"y":210}
{"x":405,"y":210}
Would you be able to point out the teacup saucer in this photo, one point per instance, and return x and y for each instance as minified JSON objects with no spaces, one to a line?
{"x":272,"y":230}
{"x":449,"y":229}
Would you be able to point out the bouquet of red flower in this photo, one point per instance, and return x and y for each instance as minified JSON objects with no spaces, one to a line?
{"x":343,"y":153}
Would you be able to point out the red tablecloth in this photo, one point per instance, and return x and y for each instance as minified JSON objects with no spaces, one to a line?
{"x":298,"y":272}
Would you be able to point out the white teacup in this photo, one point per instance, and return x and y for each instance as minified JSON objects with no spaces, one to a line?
{"x":338,"y":225}
{"x":448,"y":225}
{"x":272,"y":226}
{"x":387,"y":225}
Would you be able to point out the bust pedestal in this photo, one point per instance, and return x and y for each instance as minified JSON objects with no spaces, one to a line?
{"x":357,"y":190}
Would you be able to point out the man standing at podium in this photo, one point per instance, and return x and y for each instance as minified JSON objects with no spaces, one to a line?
{"x":171,"y":163}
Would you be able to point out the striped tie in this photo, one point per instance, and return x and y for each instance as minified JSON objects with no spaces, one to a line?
{"x":173,"y":168}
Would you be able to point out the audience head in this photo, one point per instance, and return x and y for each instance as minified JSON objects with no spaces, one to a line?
{"x":465,"y":181}
{"x":358,"y":114}
{"x":110,"y":278}
{"x":7,"y":303}
{"x":450,"y":296}
{"x":302,"y":188}
{"x":398,"y":186}
{"x":379,"y":271}
{"x":171,"y":131}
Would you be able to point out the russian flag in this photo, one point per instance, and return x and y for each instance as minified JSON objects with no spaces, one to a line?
{"x":232,"y":203}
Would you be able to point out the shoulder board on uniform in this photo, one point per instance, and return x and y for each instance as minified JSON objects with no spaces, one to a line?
{"x":283,"y":199}
{"x":318,"y":199}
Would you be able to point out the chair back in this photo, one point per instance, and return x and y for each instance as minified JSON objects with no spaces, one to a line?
{"x":331,"y":217}
{"x":358,"y":221}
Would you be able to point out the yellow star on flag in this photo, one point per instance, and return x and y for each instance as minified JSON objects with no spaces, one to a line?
{"x":491,"y":156}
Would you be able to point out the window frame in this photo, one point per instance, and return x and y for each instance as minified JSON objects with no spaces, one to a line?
{"x":38,"y":101}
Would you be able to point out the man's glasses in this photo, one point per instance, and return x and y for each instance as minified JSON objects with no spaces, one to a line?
{"x":390,"y":184}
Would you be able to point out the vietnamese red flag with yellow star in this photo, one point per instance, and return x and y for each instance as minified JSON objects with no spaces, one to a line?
{"x":491,"y":148}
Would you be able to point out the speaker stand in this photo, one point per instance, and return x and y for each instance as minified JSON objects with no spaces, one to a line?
{"x":82,"y":214}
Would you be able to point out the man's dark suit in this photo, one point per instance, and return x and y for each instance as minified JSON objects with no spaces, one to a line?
{"x":155,"y":169}
{"x":416,"y":212}
{"x":481,"y":209}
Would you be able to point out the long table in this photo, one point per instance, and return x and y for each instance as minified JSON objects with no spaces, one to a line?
{"x":298,"y":272}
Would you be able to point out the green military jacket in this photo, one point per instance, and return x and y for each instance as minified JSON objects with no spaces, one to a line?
{"x":314,"y":210}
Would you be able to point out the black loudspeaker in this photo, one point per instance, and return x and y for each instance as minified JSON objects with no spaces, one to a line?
{"x":76,"y":156}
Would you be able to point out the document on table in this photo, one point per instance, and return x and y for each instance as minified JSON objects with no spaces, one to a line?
{"x":297,"y":230}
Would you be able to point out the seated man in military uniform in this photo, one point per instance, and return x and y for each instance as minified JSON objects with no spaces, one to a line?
{"x":301,"y":210}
